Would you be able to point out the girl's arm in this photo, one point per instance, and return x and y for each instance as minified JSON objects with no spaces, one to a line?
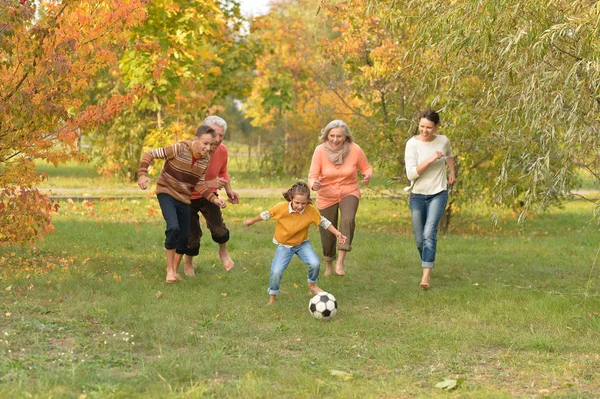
{"x":250,"y":222}
{"x":340,"y":237}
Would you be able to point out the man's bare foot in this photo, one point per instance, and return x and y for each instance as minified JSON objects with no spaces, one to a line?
{"x":314,"y":288}
{"x":328,"y":268}
{"x":188,"y":270}
{"x":226,"y":260}
{"x":339,"y":269}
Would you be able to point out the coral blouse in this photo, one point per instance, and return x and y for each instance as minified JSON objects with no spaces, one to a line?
{"x":337,"y":181}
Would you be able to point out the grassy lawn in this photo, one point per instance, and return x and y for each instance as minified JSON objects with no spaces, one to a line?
{"x":512,"y":313}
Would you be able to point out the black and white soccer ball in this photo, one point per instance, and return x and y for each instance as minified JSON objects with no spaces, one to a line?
{"x":323,"y":306}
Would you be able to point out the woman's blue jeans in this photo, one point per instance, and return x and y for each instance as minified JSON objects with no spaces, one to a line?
{"x":283,"y":256}
{"x":177,"y":216}
{"x":427,"y":211}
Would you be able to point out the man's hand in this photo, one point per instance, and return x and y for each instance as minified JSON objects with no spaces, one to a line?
{"x":216,"y":184}
{"x":233,"y":197}
{"x":144,"y":182}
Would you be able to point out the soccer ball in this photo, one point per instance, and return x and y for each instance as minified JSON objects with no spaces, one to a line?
{"x":322,"y":306}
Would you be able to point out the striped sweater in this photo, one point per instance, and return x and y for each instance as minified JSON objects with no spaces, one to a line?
{"x":181,"y":175}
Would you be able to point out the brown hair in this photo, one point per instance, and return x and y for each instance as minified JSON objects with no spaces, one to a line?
{"x":205,"y":129}
{"x":298,"y":188}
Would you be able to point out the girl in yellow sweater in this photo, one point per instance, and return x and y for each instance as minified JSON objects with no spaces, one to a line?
{"x":294,"y":216}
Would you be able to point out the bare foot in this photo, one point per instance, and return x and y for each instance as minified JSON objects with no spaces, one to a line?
{"x":226,"y":260}
{"x":178,"y":277}
{"x":424,"y":285}
{"x":272,"y":299}
{"x":171,"y":278}
{"x":339,"y":269}
{"x":314,"y":288}
{"x":328,"y":268}
{"x":188,"y":270}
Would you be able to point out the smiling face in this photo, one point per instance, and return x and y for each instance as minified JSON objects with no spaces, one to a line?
{"x":220,"y":134}
{"x":427,"y":129}
{"x":336,"y":137}
{"x":299,"y":202}
{"x":201,"y":145}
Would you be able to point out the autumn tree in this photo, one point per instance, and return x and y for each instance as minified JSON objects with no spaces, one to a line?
{"x":290,"y":101}
{"x":49,"y":56}
{"x":536,"y":70}
{"x":188,"y":55}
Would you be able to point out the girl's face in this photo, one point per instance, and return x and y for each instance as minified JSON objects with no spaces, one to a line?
{"x":201,"y":145}
{"x":336,"y":137}
{"x":427,"y":129}
{"x":299,"y":202}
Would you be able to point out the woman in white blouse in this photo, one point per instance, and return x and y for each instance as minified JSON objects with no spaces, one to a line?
{"x":426,"y":156}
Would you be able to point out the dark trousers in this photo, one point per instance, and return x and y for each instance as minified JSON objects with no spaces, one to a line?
{"x":214,"y":221}
{"x":347,"y":208}
{"x":177,"y":216}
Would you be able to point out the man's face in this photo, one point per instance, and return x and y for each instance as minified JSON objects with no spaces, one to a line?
{"x":220,"y":134}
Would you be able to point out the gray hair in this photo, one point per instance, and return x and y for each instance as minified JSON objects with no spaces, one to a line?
{"x":334,"y":124}
{"x":215,"y":121}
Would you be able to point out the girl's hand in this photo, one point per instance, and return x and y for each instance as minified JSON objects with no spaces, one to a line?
{"x":341,"y":238}
{"x":144,"y":182}
{"x":247,"y":222}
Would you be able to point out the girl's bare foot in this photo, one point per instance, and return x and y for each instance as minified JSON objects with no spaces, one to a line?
{"x":226,"y":260}
{"x":314,"y":288}
{"x":328,"y":268}
{"x":272,"y":299}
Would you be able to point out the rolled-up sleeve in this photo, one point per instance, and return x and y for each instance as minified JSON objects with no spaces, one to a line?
{"x":325,"y":223}
{"x":265,"y":215}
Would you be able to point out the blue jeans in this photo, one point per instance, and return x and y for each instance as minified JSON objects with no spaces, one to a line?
{"x":283,"y":256}
{"x":427,"y":211}
{"x":177,"y":216}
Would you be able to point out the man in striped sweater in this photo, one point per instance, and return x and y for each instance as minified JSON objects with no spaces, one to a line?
{"x":183,"y":173}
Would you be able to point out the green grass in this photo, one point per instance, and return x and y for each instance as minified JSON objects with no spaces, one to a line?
{"x":514,"y":312}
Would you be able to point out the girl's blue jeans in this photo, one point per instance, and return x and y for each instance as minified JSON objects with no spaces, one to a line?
{"x":283,"y":256}
{"x":177,"y":216}
{"x":427,"y":211}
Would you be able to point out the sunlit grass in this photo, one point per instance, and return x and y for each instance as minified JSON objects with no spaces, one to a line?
{"x":515,"y":312}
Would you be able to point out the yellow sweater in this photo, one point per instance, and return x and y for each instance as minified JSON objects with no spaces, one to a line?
{"x":292,"y":228}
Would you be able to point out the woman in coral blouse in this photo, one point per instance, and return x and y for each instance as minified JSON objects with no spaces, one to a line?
{"x":333,"y":175}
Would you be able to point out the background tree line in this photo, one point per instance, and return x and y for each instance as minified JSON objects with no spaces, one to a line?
{"x":517,"y":84}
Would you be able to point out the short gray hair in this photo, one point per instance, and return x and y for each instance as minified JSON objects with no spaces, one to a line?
{"x":334,"y":124}
{"x":216,"y":121}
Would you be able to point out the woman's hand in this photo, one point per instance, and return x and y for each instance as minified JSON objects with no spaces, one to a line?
{"x":451,"y":178}
{"x":366,"y":179}
{"x":316,"y":185}
{"x":144,"y":182}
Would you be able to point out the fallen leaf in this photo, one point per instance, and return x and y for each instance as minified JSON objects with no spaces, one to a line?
{"x":449,"y":384}
{"x":224,"y":293}
{"x":158,"y":295}
{"x":342,"y":375}
{"x":7,"y":314}
{"x":8,"y":288}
